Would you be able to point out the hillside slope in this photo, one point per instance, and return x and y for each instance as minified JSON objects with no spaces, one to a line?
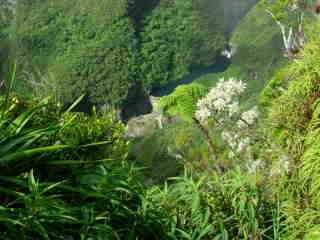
{"x":293,"y":124}
{"x":258,"y":55}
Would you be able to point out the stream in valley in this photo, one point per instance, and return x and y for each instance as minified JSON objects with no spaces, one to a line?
{"x":221,"y":65}
{"x":143,"y":106}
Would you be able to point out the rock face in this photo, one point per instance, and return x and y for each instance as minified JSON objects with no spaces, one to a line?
{"x":154,"y":101}
{"x":145,"y":124}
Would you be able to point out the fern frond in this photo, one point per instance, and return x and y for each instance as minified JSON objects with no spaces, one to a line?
{"x":183,"y":100}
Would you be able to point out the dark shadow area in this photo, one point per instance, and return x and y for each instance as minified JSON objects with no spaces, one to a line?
{"x":139,"y":9}
{"x":135,"y":107}
{"x":84,"y":106}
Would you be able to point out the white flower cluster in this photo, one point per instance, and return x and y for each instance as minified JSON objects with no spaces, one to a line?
{"x":243,"y":144}
{"x":220,"y":99}
{"x":248,"y":118}
{"x":231,"y":139}
{"x":235,"y":141}
{"x":222,"y":104}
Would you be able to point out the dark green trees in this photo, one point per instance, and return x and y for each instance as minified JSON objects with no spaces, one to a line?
{"x":6,"y":18}
{"x":90,"y":48}
{"x":111,"y":50}
{"x":176,"y":36}
{"x":104,"y":68}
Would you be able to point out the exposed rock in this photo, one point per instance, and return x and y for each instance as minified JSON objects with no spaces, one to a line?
{"x":154,"y":101}
{"x":143,"y":125}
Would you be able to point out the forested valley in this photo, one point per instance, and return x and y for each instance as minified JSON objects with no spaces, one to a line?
{"x":159,"y":119}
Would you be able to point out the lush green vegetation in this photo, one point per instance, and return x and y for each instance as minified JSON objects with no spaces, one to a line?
{"x":257,"y":43}
{"x":171,"y":47}
{"x":293,"y":118}
{"x":218,"y":168}
{"x":66,"y":175}
{"x":112,"y":51}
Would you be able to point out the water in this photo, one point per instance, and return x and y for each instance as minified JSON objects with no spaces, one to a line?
{"x":221,"y":65}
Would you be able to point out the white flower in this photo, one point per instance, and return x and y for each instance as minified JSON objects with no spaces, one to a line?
{"x":249,"y":117}
{"x":221,"y":99}
{"x":219,"y":104}
{"x":225,"y":135}
{"x":202,"y":114}
{"x":233,"y":108}
{"x":241,"y":124}
{"x":230,"y":139}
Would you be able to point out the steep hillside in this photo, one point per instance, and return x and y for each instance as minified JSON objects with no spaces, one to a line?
{"x":293,"y":123}
{"x":233,"y":11}
{"x":257,"y":41}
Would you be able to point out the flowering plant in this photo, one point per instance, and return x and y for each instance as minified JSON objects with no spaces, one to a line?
{"x":220,"y":110}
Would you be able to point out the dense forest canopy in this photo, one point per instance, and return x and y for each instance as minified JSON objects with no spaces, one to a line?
{"x":129,"y":51}
{"x":232,"y":153}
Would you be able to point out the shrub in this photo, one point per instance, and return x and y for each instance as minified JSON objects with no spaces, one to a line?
{"x":218,"y":207}
{"x":69,"y":179}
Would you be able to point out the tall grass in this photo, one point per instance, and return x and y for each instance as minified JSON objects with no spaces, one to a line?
{"x":68,"y":177}
{"x":49,"y":190}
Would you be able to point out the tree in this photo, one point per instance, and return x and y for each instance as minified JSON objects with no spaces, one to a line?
{"x":87,"y":48}
{"x":176,"y":37}
{"x":7,"y":17}
{"x":104,"y":69}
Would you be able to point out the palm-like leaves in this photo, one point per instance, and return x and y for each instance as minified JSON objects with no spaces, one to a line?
{"x":183,"y":101}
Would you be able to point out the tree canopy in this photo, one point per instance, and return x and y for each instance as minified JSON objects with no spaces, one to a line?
{"x":111,"y":50}
{"x":176,"y":36}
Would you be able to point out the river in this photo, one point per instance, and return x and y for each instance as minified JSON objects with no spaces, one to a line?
{"x":221,"y":64}
{"x":143,"y":105}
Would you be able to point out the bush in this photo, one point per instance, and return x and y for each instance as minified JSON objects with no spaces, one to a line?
{"x":69,"y":179}
{"x":218,"y":207}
